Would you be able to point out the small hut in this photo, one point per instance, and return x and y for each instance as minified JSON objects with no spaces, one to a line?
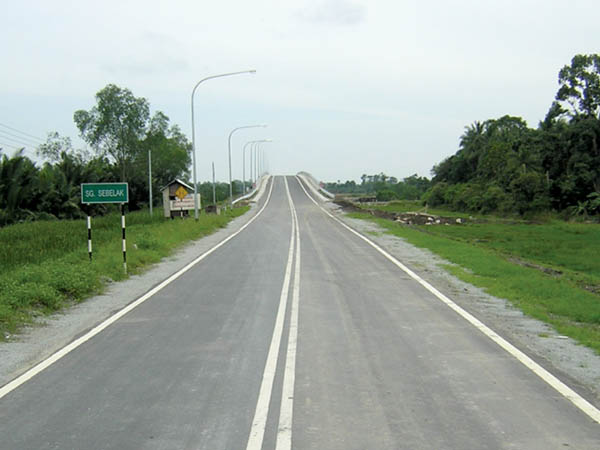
{"x":178,"y":199}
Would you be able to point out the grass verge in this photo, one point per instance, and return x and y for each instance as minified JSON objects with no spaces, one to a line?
{"x":549,"y":271}
{"x":44,"y":266}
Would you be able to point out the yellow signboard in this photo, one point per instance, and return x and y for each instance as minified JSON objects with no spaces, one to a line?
{"x":181,"y":193}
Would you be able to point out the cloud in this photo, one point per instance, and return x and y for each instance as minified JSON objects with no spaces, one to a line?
{"x":333,"y":12}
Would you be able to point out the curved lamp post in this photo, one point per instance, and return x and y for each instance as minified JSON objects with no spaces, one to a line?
{"x":244,"y":160}
{"x":256,"y":157}
{"x":229,"y":148}
{"x":194,"y":133}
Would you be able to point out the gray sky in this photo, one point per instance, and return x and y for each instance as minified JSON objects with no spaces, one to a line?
{"x":347,"y":86}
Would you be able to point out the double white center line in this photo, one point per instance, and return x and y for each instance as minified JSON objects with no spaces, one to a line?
{"x":259,"y":423}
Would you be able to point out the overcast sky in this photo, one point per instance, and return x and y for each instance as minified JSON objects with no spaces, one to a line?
{"x":346,"y":86}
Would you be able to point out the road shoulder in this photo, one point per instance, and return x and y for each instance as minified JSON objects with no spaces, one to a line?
{"x":574,"y":364}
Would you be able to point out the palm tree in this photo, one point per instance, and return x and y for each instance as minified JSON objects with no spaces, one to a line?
{"x":18,"y":182}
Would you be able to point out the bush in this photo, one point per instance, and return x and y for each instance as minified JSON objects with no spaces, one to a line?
{"x":435,"y":195}
{"x":493,"y":199}
{"x":530,"y":193}
{"x":386,"y":195}
{"x":464,"y":197}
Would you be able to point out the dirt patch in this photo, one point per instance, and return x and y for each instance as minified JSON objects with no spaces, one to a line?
{"x":406,"y":218}
{"x":547,"y":270}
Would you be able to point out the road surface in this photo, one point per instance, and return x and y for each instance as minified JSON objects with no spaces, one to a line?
{"x":295,"y":333}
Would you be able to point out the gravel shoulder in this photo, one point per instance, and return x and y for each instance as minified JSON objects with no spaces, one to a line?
{"x":574,"y":364}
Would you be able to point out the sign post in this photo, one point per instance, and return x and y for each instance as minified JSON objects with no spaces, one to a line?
{"x":89,"y":228}
{"x":95,"y":193}
{"x":181,"y":193}
{"x":124,"y":240}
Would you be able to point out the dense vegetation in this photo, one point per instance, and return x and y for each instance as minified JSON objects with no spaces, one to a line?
{"x":122,"y":135}
{"x":504,"y":166}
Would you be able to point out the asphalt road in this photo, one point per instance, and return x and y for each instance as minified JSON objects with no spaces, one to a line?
{"x":297,"y":334}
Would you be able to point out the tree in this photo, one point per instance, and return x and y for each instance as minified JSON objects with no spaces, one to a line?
{"x":115,"y":126}
{"x":55,"y":144}
{"x":171,"y":157}
{"x":530,"y":193}
{"x":52,"y":150}
{"x":490,"y":151}
{"x":579,"y":87}
{"x":571,"y":130}
{"x":411,"y":188}
{"x":18,"y":188}
{"x":509,"y":166}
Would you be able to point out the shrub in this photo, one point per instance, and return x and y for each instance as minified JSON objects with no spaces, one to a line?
{"x":493,"y":199}
{"x":530,"y":192}
{"x":386,"y":195}
{"x":435,"y":195}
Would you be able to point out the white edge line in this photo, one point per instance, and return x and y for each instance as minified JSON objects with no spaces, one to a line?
{"x":312,"y":187}
{"x":9,"y":387}
{"x":260,"y":189}
{"x":256,"y":200}
{"x":261,"y":413}
{"x":550,"y":379}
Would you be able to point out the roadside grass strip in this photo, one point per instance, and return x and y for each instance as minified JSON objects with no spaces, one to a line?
{"x":44,"y":266}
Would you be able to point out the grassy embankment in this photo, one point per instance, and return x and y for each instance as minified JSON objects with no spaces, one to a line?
{"x":551,"y":271}
{"x":44,"y":266}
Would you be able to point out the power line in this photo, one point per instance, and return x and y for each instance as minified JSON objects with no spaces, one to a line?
{"x":2,"y":144}
{"x":22,"y":132}
{"x":19,"y":139}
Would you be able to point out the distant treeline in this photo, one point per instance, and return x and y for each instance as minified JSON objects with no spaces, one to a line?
{"x":383,"y":187}
{"x":504,"y":166}
{"x":122,"y":134}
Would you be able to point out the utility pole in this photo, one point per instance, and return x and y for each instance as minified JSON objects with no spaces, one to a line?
{"x":214,"y":188}
{"x":150,"y":179}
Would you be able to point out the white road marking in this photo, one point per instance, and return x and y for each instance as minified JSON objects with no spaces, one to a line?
{"x":312,"y":188}
{"x":261,"y":413}
{"x":550,"y":379}
{"x":260,"y":190}
{"x":284,"y":433}
{"x":94,"y":331}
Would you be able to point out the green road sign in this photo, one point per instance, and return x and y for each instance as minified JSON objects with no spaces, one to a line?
{"x":104,"y":193}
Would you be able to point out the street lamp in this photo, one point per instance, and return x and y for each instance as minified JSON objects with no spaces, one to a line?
{"x":244,"y":161}
{"x":251,"y":161}
{"x":229,"y":148}
{"x":256,"y":153}
{"x":194,"y":133}
{"x":150,"y":179}
{"x":262,"y":160}
{"x":256,"y":157}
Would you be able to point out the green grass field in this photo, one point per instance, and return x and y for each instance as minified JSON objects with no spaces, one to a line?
{"x":550,"y":271}
{"x":44,"y":266}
